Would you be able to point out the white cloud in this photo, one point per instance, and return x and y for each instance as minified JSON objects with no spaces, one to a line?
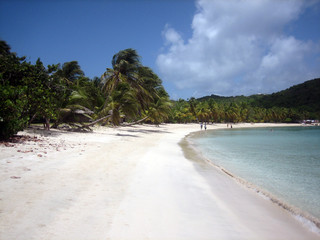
{"x":171,"y":36}
{"x":238,"y":47}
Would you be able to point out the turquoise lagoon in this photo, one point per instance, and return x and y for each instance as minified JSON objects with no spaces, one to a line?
{"x":282,"y":161}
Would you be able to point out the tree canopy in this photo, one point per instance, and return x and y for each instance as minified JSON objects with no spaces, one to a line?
{"x":127,"y":93}
{"x":294,"y":104}
{"x":133,"y":91}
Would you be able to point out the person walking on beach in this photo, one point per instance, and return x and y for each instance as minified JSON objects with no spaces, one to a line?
{"x":201,"y":125}
{"x":205,"y":125}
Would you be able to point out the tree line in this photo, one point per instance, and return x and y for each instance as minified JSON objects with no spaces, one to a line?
{"x":127,"y":93}
{"x":210,"y":110}
{"x":297,"y":103}
{"x":58,"y":93}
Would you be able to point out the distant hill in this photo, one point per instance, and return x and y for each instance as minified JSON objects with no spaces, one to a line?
{"x":304,"y":96}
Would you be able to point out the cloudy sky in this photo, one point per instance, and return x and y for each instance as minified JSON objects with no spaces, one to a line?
{"x":198,"y":48}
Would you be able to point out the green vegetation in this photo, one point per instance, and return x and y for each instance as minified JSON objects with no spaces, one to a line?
{"x":127,"y":93}
{"x":25,"y":92}
{"x":31,"y":93}
{"x":297,"y":103}
{"x":133,"y":91}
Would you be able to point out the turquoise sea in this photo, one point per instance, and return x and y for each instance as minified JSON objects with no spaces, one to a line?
{"x":282,"y":161}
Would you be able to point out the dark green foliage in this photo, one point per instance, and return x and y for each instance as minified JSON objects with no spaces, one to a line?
{"x":12,"y":104}
{"x":13,"y":99}
{"x":305,"y":96}
{"x":302,"y":96}
{"x":31,"y":92}
{"x":34,"y":93}
{"x":297,"y":103}
{"x":25,"y":92}
{"x":133,"y":91}
{"x":70,"y":71}
{"x":41,"y":99}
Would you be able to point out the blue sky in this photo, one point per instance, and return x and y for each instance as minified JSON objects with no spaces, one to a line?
{"x":198,"y":48}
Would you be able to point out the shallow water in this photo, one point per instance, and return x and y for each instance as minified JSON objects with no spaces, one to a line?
{"x":284,"y":161}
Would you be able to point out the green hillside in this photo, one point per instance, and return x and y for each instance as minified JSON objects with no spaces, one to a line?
{"x":305,"y":96}
{"x":294,"y":104}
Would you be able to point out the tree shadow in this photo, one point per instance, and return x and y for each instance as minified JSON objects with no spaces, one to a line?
{"x":126,"y":135}
{"x":54,"y":132}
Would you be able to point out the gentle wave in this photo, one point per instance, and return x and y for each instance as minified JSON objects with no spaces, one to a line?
{"x":193,"y":153}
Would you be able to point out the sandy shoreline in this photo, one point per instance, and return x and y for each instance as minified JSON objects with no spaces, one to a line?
{"x":128,"y":183}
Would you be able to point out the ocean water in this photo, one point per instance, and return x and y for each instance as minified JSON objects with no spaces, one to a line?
{"x":283,"y":161}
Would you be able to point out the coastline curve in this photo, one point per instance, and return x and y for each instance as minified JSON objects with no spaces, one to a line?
{"x":192,"y":153}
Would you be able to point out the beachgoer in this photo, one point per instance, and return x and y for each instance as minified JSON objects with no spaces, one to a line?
{"x":201,"y":125}
{"x":231,"y":125}
{"x":205,"y":126}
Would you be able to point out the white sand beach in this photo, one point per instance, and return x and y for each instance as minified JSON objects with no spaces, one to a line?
{"x":128,"y":183}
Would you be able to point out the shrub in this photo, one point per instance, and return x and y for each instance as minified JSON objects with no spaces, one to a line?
{"x":12,"y":104}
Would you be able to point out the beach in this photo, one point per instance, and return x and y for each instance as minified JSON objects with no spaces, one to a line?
{"x":129,"y":183}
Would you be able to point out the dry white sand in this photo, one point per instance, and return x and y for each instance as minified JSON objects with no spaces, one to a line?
{"x":128,"y":183}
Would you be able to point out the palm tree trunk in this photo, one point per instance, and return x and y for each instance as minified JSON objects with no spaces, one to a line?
{"x":93,"y":123}
{"x":139,"y":121}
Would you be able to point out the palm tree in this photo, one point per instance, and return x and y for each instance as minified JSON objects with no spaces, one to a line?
{"x":121,"y":103}
{"x":120,"y":83}
{"x":159,"y":110}
{"x":128,"y":80}
{"x":193,"y":105}
{"x":203,"y":112}
{"x":124,"y":69}
{"x":70,"y":71}
{"x":78,"y":96}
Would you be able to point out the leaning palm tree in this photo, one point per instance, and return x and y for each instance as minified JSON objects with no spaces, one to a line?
{"x":70,"y":71}
{"x":121,"y":103}
{"x":159,"y":110}
{"x":133,"y":90}
{"x":125,"y":71}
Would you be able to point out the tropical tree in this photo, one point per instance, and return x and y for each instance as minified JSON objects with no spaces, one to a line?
{"x":132,"y":90}
{"x":124,"y":69}
{"x":159,"y":110}
{"x":214,"y":110}
{"x":203,"y":112}
{"x":41,"y":98}
{"x":25,"y":92}
{"x":79,"y":96}
{"x":192,"y":105}
{"x":121,"y":102}
{"x":13,"y":101}
{"x":70,"y":71}
{"x":180,"y":112}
